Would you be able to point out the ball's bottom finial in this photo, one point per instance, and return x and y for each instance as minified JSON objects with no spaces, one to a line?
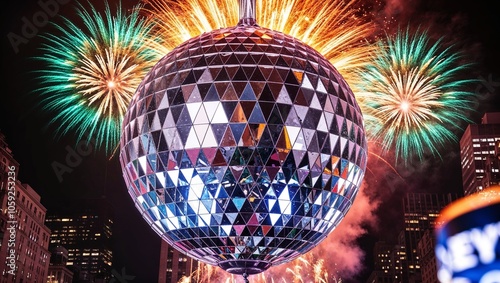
{"x":244,"y":266}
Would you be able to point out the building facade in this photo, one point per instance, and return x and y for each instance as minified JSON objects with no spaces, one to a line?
{"x":427,"y":257}
{"x":492,"y":168}
{"x":174,"y":265}
{"x":58,"y":270}
{"x":479,"y":154}
{"x":388,"y":263}
{"x":85,"y":228}
{"x":24,"y":237}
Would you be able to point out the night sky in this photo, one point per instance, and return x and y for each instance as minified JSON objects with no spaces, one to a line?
{"x":473,"y":26}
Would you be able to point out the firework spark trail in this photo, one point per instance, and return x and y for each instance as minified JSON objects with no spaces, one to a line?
{"x":306,"y":268}
{"x":412,"y":95}
{"x":177,"y":21}
{"x":380,"y":161}
{"x":316,"y":23}
{"x":92,"y":71}
{"x":319,"y":272}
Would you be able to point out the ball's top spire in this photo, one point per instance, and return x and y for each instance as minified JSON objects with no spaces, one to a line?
{"x":247,"y":13}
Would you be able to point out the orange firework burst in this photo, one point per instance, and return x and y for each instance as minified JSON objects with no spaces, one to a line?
{"x":323,"y":26}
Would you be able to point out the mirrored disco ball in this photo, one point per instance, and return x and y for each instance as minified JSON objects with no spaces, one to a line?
{"x":243,"y":148}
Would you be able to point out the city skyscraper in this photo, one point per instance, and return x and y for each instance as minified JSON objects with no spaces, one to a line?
{"x":420,"y":213}
{"x":84,"y":228}
{"x":479,"y":154}
{"x":24,"y":238}
{"x":386,"y":268}
{"x":174,"y":265}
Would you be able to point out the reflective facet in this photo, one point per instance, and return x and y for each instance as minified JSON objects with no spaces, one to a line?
{"x":243,"y":148}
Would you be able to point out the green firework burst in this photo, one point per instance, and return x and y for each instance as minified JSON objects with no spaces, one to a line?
{"x":91,"y":71}
{"x":412,"y":97}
